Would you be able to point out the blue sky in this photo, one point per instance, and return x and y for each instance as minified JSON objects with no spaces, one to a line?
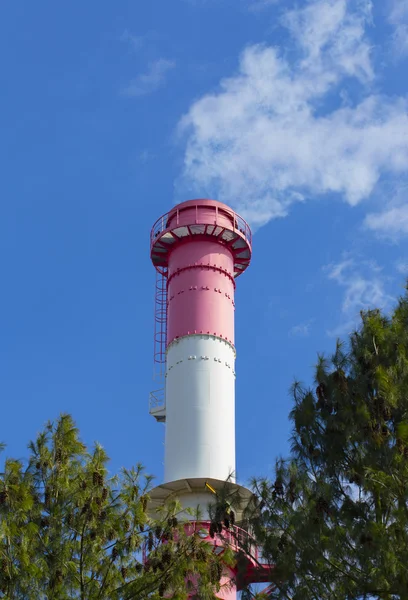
{"x":295,"y":113}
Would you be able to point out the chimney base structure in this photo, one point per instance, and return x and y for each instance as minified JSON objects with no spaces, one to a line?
{"x":199,"y":249}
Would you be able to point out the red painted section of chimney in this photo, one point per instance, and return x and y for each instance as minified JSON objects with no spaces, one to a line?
{"x":200,"y":290}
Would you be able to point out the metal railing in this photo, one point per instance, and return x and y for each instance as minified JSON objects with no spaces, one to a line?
{"x":157,"y":400}
{"x":238,"y":224}
{"x":236,"y":537}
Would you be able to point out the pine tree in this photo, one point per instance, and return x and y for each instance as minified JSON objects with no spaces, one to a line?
{"x":69,"y":530}
{"x":334,"y":521}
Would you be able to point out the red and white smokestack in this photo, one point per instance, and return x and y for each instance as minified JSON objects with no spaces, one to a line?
{"x":198,"y":249}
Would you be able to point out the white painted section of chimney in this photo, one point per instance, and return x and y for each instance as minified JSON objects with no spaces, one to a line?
{"x":200,"y":501}
{"x":200,"y":409}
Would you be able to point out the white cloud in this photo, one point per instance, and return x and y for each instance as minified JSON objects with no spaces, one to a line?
{"x":391,"y":222}
{"x":330,"y":34}
{"x":364,"y":288}
{"x":301,"y":330}
{"x":398,"y":17}
{"x":262,"y":142}
{"x":402,"y":267}
{"x":149,"y":82}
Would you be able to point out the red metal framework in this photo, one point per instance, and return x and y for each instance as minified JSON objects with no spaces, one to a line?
{"x":160,"y":324}
{"x":251,"y":567}
{"x":201,"y":218}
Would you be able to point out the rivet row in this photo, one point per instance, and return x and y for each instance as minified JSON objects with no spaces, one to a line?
{"x":207,"y":266}
{"x":204,"y":288}
{"x":193,"y":357}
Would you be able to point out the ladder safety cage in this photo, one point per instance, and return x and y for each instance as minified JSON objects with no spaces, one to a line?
{"x":160,"y":325}
{"x":157,"y":398}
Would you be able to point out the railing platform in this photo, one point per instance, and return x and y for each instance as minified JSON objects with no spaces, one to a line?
{"x":157,"y":405}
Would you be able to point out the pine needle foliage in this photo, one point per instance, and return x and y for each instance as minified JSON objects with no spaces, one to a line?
{"x":68,"y":530}
{"x":334,"y":521}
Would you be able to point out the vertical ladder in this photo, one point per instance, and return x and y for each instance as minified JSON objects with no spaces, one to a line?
{"x":160,"y":324}
{"x":157,"y":403}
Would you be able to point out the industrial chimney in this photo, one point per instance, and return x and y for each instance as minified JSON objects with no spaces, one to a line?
{"x":198,"y":249}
